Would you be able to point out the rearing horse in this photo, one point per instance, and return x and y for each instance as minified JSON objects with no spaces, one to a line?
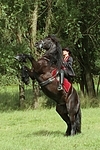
{"x":67,"y":102}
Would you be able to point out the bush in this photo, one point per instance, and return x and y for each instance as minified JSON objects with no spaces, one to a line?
{"x":87,"y":102}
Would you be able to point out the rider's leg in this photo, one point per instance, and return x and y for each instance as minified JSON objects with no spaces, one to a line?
{"x":67,"y":76}
{"x":60,"y":87}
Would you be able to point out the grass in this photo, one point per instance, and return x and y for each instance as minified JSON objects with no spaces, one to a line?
{"x":44,"y":130}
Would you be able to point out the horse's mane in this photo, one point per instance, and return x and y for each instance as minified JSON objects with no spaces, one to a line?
{"x":58,"y":53}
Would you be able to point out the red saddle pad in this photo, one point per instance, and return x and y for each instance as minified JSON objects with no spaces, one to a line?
{"x":66,"y":85}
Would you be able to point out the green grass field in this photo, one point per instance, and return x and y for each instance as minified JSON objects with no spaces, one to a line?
{"x":44,"y":130}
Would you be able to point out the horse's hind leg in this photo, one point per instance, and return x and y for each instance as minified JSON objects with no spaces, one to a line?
{"x":75,"y":120}
{"x":61,"y":109}
{"x":73,"y":124}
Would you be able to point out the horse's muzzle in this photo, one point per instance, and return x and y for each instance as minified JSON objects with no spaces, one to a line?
{"x":20,"y":58}
{"x":39,"y":45}
{"x":17,"y":57}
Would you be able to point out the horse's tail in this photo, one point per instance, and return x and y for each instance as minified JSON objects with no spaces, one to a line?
{"x":78,"y":121}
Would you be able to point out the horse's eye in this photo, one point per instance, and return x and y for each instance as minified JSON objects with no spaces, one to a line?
{"x":49,"y":39}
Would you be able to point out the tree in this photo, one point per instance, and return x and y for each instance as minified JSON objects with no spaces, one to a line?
{"x":76,"y":23}
{"x":86,"y":46}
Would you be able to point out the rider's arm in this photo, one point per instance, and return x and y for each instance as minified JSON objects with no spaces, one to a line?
{"x":68,"y":63}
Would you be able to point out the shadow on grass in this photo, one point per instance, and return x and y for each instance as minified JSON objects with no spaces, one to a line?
{"x":46,"y":133}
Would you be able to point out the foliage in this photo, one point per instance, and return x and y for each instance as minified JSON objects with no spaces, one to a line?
{"x":76,"y":24}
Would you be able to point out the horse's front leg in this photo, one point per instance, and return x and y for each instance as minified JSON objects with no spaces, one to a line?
{"x":62,"y":111}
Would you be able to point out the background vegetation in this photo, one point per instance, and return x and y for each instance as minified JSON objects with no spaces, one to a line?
{"x":75,"y":23}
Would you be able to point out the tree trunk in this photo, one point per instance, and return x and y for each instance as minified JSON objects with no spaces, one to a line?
{"x":21,"y":84}
{"x":21,"y":95}
{"x":82,"y":87}
{"x":33,"y":25}
{"x":48,"y":18}
{"x":33,"y":30}
{"x":19,"y":35}
{"x":90,"y":85}
{"x":36,"y":92}
{"x":98,"y":85}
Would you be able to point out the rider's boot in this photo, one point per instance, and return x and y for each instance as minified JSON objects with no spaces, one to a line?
{"x":60,"y":87}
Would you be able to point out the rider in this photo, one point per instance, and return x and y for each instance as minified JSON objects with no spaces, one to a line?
{"x":67,"y":70}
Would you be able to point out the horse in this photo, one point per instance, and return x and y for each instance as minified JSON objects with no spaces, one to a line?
{"x":47,"y":74}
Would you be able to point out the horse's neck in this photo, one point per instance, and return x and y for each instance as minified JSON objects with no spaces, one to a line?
{"x":55,"y":55}
{"x":51,"y":50}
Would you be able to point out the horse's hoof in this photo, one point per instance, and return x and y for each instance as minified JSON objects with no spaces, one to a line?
{"x":66,"y":134}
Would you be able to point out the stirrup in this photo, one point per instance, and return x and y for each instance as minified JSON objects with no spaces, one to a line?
{"x":60,"y":88}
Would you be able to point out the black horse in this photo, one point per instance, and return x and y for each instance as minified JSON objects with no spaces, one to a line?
{"x":67,"y":100}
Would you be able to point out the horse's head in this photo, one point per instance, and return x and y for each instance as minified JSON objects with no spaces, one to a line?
{"x":53,"y":49}
{"x":46,"y":43}
{"x":24,"y":75}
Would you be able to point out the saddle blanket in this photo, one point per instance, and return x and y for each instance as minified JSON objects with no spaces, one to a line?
{"x":66,"y":83}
